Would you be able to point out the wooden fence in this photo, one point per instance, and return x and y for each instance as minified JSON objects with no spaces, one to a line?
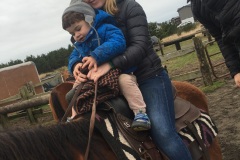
{"x":205,"y":65}
{"x":25,"y":103}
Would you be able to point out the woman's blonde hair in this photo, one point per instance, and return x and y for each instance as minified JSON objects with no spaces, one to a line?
{"x":111,"y":7}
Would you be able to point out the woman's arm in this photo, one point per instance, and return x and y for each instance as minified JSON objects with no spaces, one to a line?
{"x":133,"y":23}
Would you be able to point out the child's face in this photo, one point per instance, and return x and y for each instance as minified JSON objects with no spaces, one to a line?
{"x":79,"y":30}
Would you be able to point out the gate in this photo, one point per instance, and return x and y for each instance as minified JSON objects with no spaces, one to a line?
{"x":214,"y":66}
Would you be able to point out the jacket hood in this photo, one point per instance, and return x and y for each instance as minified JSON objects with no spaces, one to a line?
{"x":101,"y":18}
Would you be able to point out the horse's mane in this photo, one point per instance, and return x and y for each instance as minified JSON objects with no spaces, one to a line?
{"x":39,"y":143}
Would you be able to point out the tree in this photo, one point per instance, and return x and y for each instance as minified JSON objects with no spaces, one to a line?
{"x":154,"y":29}
{"x":163,"y":29}
{"x":18,"y":61}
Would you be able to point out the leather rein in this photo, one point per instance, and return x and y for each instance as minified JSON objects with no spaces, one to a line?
{"x":92,"y":118}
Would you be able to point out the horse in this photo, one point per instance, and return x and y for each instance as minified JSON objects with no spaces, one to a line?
{"x":184,"y":90}
{"x":61,"y":141}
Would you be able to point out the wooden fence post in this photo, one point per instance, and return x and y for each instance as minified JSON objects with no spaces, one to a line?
{"x":204,"y":67}
{"x":209,"y":38}
{"x":31,"y":116}
{"x":25,"y":94}
{"x":160,"y":47}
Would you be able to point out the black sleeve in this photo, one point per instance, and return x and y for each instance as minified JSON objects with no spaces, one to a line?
{"x":136,"y":33}
{"x":210,"y":22}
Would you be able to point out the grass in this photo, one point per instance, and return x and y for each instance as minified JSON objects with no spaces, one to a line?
{"x":188,"y":59}
{"x":213,"y":49}
{"x":44,"y":107}
{"x":212,"y":88}
{"x":189,"y":62}
{"x":181,"y":62}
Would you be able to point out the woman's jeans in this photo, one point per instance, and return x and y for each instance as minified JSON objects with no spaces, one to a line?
{"x":158,"y":96}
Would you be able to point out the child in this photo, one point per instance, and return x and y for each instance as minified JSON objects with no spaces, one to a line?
{"x":97,"y":42}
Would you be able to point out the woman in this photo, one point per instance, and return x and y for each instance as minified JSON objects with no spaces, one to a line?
{"x":153,"y":80}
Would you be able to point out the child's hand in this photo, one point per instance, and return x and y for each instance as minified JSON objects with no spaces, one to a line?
{"x":76,"y":70}
{"x":90,"y":62}
{"x":81,"y":78}
{"x":78,"y":75}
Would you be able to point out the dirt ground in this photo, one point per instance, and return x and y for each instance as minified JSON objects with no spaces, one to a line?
{"x":224,"y":107}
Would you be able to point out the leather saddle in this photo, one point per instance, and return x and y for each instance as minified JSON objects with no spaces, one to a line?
{"x":141,"y":142}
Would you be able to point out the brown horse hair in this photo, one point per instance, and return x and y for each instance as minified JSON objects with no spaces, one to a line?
{"x":40,"y":143}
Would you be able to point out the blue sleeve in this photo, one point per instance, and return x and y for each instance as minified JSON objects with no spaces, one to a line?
{"x":73,"y":59}
{"x":113,"y":44}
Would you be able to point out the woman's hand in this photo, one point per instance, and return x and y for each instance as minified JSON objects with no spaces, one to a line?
{"x":237,"y":79}
{"x":102,"y":70}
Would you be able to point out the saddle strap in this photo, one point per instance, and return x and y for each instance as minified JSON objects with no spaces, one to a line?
{"x":193,"y":130}
{"x":141,"y":142}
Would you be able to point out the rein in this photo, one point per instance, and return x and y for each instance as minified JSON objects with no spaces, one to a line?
{"x":69,"y":108}
{"x":92,"y":119}
{"x":110,"y":81}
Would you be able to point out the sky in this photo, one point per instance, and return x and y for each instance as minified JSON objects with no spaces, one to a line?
{"x":29,"y":27}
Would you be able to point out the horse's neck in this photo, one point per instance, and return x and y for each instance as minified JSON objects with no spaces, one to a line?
{"x":100,"y":150}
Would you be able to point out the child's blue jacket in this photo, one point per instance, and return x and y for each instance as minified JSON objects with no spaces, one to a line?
{"x":112,"y":42}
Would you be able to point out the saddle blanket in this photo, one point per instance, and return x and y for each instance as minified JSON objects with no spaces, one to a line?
{"x":205,"y":127}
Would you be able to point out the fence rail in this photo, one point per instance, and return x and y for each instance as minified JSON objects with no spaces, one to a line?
{"x":204,"y":70}
{"x":26,"y":100}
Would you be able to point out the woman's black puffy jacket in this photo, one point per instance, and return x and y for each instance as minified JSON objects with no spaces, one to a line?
{"x":133,"y":23}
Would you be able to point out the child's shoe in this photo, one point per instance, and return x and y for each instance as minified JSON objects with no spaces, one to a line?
{"x":141,"y":122}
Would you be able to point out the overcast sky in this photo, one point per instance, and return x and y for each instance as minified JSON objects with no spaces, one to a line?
{"x":29,"y":27}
